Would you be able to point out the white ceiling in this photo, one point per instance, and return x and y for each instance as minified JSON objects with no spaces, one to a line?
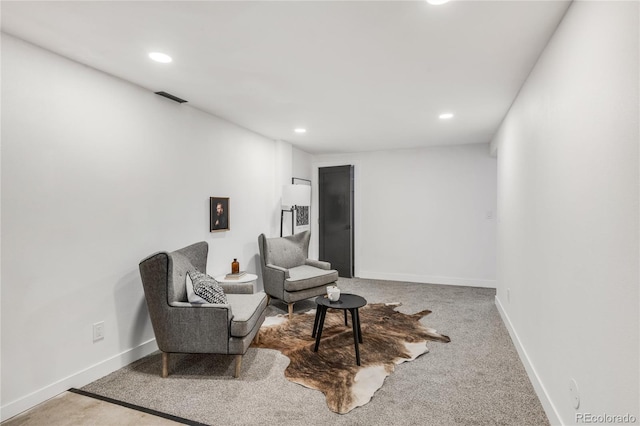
{"x":358,"y":75}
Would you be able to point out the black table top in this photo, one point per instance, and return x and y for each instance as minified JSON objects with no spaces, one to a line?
{"x":346,"y":301}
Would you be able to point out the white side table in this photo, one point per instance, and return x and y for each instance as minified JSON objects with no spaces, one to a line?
{"x":247,"y":278}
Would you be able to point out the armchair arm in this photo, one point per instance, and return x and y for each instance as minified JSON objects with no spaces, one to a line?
{"x":194,"y":328}
{"x":204,"y":305}
{"x":280,"y":269}
{"x":318,"y":264}
{"x":237,"y":288}
{"x":273,"y":279}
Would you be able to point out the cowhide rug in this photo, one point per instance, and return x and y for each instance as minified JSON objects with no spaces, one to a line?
{"x":389,"y":338}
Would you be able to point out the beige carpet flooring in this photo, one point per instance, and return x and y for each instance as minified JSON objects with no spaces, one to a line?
{"x":477,"y":379}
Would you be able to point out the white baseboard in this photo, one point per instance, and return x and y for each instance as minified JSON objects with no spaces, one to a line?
{"x":466,"y":282}
{"x":543,"y":396}
{"x":77,"y":380}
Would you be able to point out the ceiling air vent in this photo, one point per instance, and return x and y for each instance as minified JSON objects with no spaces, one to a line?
{"x":170,"y":96}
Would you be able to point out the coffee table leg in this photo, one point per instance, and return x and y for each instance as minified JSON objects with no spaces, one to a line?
{"x":315,"y":322}
{"x":345,"y":318}
{"x":359,"y":329}
{"x":323,"y":312}
{"x":354,"y":323}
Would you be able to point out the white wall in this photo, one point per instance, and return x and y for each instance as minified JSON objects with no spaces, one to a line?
{"x":569,"y":217}
{"x":290,"y":162}
{"x":283,"y":166}
{"x":422,"y":215}
{"x":302,"y":164}
{"x":96,"y":175}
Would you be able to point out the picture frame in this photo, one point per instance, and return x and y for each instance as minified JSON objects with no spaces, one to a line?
{"x":219,"y":214}
{"x":302,"y":213}
{"x":301,"y":222}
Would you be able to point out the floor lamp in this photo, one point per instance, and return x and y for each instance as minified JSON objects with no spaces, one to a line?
{"x":292,"y":197}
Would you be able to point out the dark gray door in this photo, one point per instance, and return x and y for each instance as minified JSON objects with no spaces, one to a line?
{"x":335,"y":185}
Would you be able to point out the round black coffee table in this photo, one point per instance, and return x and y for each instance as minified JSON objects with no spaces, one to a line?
{"x":347,"y":302}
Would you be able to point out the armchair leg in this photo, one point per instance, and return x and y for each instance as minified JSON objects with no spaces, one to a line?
{"x":165,"y":364}
{"x":238,"y":366}
{"x":268,"y":299}
{"x":290,"y":310}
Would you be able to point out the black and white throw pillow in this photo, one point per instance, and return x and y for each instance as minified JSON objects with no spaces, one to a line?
{"x":207,"y":288}
{"x":191,"y":296}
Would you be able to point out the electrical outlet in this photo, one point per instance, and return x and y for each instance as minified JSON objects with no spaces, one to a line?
{"x":509,"y":295}
{"x":98,"y":331}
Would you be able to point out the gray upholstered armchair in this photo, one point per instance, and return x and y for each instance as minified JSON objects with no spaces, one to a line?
{"x":288,"y":274}
{"x":182,"y":327}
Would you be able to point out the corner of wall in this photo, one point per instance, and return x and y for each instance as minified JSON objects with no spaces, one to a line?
{"x":543,"y":396}
{"x":78,"y":379}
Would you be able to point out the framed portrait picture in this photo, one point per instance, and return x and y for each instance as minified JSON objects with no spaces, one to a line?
{"x":219,"y":214}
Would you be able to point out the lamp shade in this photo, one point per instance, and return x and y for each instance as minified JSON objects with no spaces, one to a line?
{"x":296,"y":195}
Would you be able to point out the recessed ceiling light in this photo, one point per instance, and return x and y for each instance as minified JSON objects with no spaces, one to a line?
{"x":445,"y":116}
{"x":437,"y":2}
{"x":300,"y":130}
{"x":160,"y":57}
